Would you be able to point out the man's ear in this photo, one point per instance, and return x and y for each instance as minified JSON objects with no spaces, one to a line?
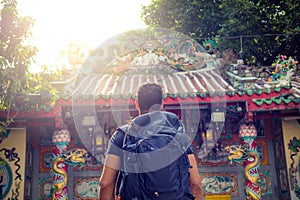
{"x":137,"y":106}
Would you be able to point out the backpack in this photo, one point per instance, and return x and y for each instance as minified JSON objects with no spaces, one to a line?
{"x":155,"y":167}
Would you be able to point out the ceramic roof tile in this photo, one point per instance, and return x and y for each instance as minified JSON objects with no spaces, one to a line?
{"x":183,"y":83}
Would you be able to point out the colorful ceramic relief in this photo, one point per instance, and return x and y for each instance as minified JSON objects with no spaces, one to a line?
{"x":265,"y":184}
{"x":46,"y":158}
{"x":86,"y":188}
{"x":5,"y":177}
{"x":45,"y":191}
{"x":10,"y":180}
{"x":213,"y":158}
{"x":263,"y":152}
{"x":220,"y":184}
{"x":92,"y":163}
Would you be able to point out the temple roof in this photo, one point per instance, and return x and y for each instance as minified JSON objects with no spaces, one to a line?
{"x":199,"y":82}
{"x":209,"y":78}
{"x":184,"y":68}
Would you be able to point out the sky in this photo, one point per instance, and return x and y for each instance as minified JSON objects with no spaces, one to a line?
{"x":59,"y":22}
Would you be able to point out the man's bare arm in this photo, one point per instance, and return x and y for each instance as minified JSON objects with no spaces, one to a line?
{"x":109,"y":177}
{"x":195,"y":182}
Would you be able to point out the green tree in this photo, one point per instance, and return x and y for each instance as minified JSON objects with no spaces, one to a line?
{"x":19,"y":89}
{"x":196,"y":18}
{"x":258,"y":30}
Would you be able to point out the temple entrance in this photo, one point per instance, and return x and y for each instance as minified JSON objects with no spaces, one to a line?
{"x":218,"y":175}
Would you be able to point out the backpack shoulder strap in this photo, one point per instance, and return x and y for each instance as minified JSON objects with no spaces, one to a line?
{"x":121,"y":129}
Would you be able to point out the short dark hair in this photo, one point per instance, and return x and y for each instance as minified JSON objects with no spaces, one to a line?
{"x":149,"y":96}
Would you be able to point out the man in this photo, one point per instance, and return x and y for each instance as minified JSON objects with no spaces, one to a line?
{"x":149,"y":104}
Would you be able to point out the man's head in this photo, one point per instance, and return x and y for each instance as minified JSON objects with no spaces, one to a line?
{"x":149,"y":97}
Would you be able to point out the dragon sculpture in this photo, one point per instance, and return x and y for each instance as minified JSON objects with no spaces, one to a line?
{"x":294,"y":146}
{"x":247,"y":155}
{"x":62,"y":159}
{"x":285,"y":68}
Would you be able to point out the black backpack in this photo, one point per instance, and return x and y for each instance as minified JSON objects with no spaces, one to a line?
{"x":155,"y":167}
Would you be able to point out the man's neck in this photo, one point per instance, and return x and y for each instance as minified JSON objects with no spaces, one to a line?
{"x":147,"y":111}
{"x":143,"y":112}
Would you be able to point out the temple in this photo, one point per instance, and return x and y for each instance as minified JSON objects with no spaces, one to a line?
{"x":243,"y":121}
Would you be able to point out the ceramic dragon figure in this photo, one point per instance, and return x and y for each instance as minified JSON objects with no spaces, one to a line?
{"x":61,"y":160}
{"x":246,"y":154}
{"x":294,"y":146}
